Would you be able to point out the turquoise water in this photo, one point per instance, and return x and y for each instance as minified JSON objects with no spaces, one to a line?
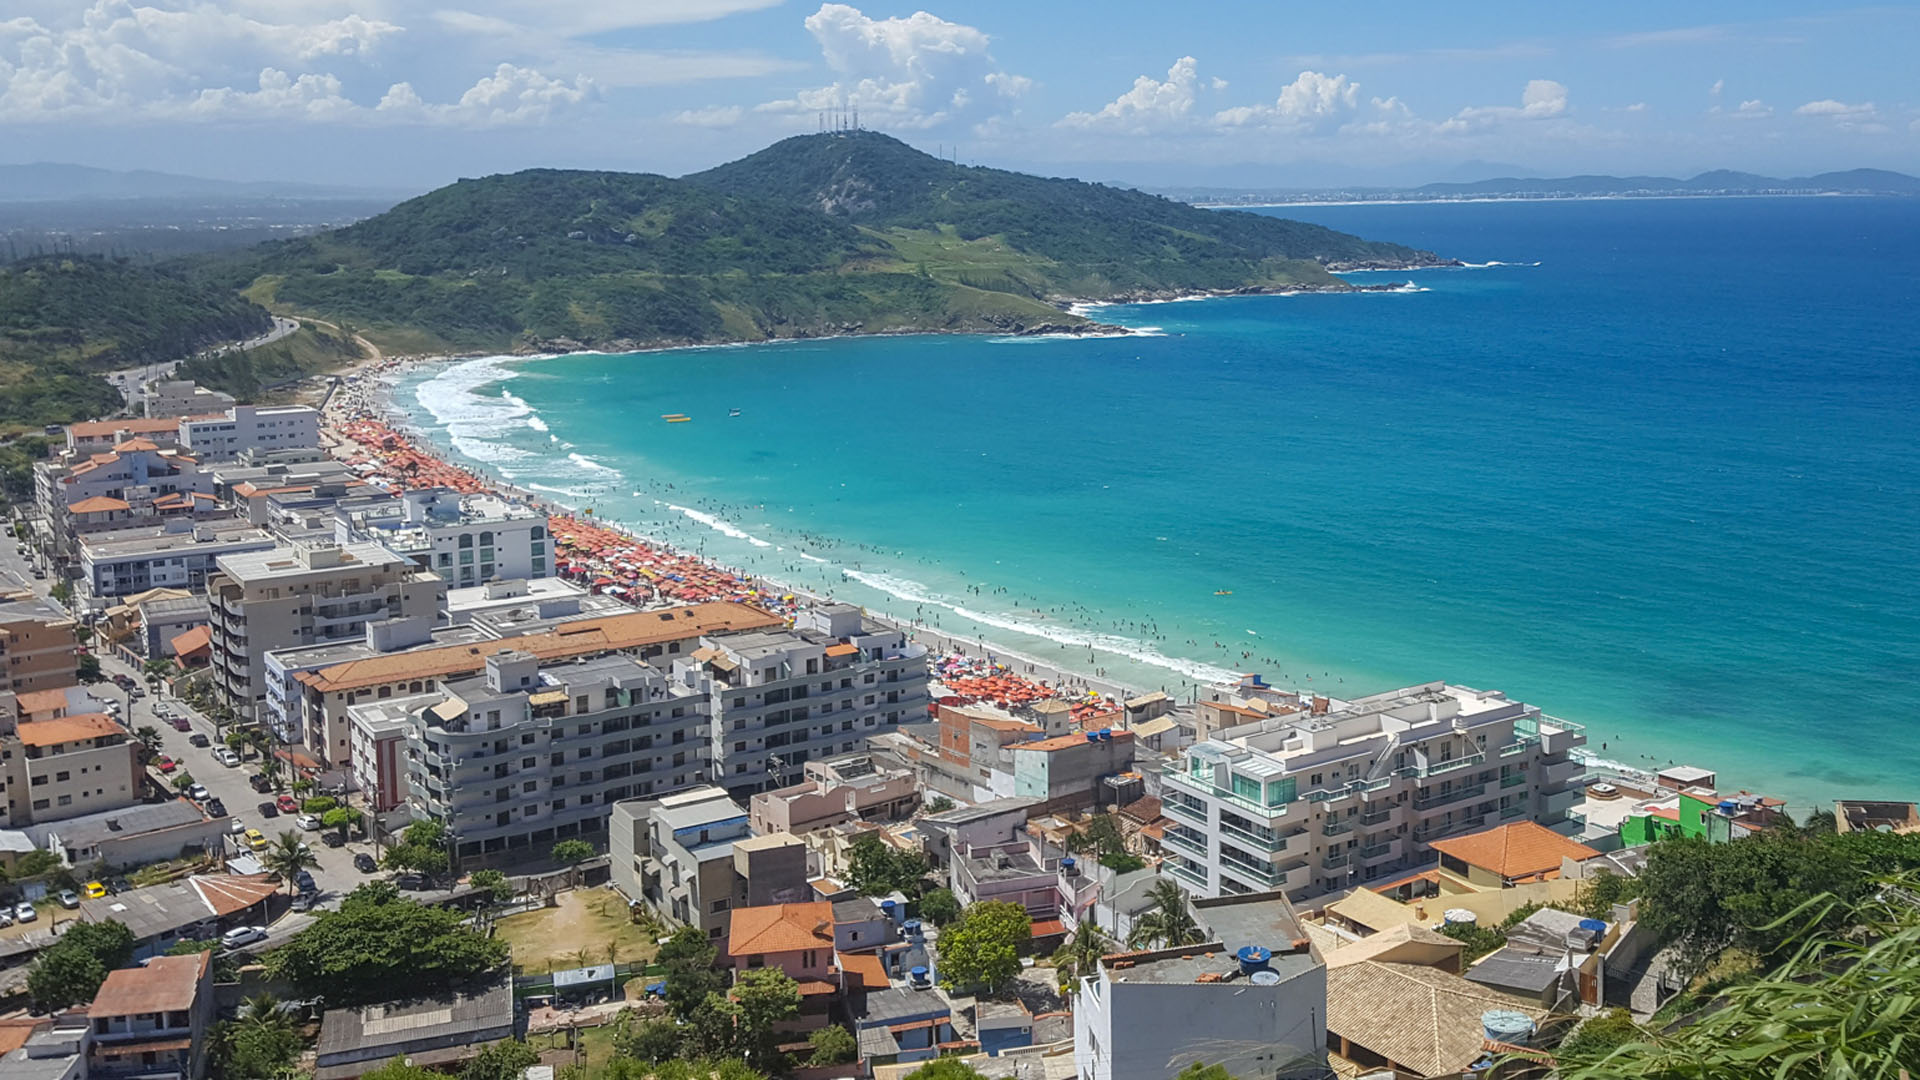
{"x":1662,"y":483}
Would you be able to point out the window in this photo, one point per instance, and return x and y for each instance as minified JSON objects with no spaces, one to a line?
{"x":1281,"y":792}
{"x":530,"y":786}
{"x":1246,"y":787}
{"x":466,"y":542}
{"x":539,"y":532}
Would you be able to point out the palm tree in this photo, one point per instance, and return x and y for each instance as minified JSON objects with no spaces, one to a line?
{"x":1079,"y":956}
{"x":260,"y":1008}
{"x":287,"y":857}
{"x":149,"y":739}
{"x":1169,"y":922}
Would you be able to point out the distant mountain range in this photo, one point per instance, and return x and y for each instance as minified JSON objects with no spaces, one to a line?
{"x":49,"y":182}
{"x":1717,"y":182}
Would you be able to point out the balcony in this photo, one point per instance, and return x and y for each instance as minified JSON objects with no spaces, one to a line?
{"x":1445,"y":798}
{"x":1512,"y":780}
{"x":1560,"y":802}
{"x":1265,"y":875}
{"x":1258,"y":838}
{"x":1376,"y":851}
{"x":1193,"y":877}
{"x":1441,"y":768}
{"x":1563,"y":773}
{"x":1519,"y":746}
{"x":1178,"y":776}
{"x":1377,"y":817}
{"x":1180,"y":838}
{"x":1509,"y":813}
{"x":1334,"y":860}
{"x":1331,"y":827}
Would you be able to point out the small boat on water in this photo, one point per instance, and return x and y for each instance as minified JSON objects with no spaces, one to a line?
{"x":674,"y":416}
{"x":733,"y":412}
{"x":679,"y":419}
{"x":1223,"y":592}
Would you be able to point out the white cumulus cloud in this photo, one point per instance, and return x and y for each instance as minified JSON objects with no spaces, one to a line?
{"x":1542,"y":99}
{"x":511,"y":95}
{"x":713,"y":116}
{"x":1312,"y":100}
{"x":1753,"y":109}
{"x":1151,"y":103}
{"x":916,"y":71}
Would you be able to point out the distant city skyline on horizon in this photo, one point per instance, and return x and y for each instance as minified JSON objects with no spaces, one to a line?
{"x":398,"y":94}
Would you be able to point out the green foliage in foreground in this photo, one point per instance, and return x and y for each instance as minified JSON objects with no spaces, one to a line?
{"x":1845,"y":1003}
{"x":379,"y":941}
{"x":983,"y":947}
{"x":310,"y":350}
{"x":70,"y":971}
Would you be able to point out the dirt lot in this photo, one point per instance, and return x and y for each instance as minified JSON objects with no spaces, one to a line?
{"x":552,"y":939}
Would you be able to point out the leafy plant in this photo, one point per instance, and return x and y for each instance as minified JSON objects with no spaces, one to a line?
{"x":1168,"y":922}
{"x":982,"y":948}
{"x":379,"y":941}
{"x":832,"y":1045}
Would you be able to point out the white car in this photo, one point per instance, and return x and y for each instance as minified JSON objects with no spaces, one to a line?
{"x":242,"y":936}
{"x":308,"y":822}
{"x":226,"y":757}
{"x":24,"y":912}
{"x":237,"y":828}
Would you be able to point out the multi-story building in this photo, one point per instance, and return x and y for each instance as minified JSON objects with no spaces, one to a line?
{"x":179,"y":554}
{"x":68,"y":766}
{"x":1346,"y":792}
{"x":174,"y":398}
{"x":91,"y":437}
{"x":856,"y":787}
{"x":1066,"y":771}
{"x":151,"y":1021}
{"x":466,"y":539}
{"x":309,"y":691}
{"x":266,"y":600}
{"x":137,"y":482}
{"x":526,"y":754}
{"x":692,"y":858}
{"x":1250,"y":997}
{"x":784,"y":697}
{"x":251,"y":427}
{"x":37,"y":648}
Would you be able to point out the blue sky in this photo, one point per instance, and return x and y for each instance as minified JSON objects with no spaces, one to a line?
{"x":412,"y":93}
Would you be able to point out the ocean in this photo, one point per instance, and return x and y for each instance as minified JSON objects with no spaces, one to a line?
{"x":1651,"y":465}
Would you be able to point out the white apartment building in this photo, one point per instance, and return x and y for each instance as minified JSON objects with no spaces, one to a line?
{"x":468,"y":540}
{"x":692,"y":857}
{"x":177,"y":555}
{"x":1250,"y":997}
{"x":265,"y":600}
{"x":183,"y":397}
{"x":524,"y":755}
{"x":784,"y":697}
{"x":1348,"y":791}
{"x":251,"y":427}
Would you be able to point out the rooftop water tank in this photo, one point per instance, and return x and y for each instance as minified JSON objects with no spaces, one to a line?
{"x":1068,"y":862}
{"x":887,"y":906}
{"x":918,"y":978}
{"x":912,"y":928}
{"x":1253,"y":958}
{"x":1265,"y":978}
{"x":1093,"y":736}
{"x":1461,"y":915}
{"x":1594,"y":926}
{"x":1507,"y":1026}
{"x":1106,"y":734}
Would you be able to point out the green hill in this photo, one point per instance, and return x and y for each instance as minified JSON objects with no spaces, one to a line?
{"x":64,"y":319}
{"x":818,"y":234}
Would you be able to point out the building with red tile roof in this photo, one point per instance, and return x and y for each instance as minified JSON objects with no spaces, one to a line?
{"x":1507,"y":855}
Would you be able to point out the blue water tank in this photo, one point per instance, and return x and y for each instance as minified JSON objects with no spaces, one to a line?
{"x":1253,"y":958}
{"x":1067,"y":862}
{"x":912,"y":928}
{"x":1106,"y":734}
{"x":1596,"y":926}
{"x":1093,"y":736}
{"x":887,"y":906}
{"x":1507,"y":1025}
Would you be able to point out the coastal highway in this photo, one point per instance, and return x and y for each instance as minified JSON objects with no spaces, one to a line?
{"x":132,"y":381}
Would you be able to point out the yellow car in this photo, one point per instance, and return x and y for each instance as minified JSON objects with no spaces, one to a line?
{"x":256,"y":840}
{"x":93,"y":890}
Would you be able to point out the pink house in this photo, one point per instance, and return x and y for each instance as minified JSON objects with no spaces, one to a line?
{"x":797,"y":939}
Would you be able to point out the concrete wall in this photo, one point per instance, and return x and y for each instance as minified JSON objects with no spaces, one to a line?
{"x":1132,"y":1031}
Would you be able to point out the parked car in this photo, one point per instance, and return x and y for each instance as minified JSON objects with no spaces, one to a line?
{"x":304,"y":879}
{"x":412,"y":882}
{"x":124,"y":682}
{"x":256,"y":840}
{"x":93,"y":890}
{"x":237,"y":827}
{"x":268,"y":810}
{"x":241,"y":936}
{"x":309,"y":822}
{"x":199,"y":793}
{"x":364,"y":863}
{"x":6,"y":916}
{"x":332,"y":838}
{"x":165,"y":763}
{"x":199,"y":739}
{"x":137,"y":693}
{"x":227,"y":757}
{"x":179,"y":723}
{"x":69,"y":899}
{"x":287,"y":804}
{"x":24,"y":912}
{"x":260,"y":783}
{"x":216,"y":808}
{"x":306,"y":901}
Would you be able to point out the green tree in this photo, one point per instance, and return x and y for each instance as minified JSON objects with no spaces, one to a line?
{"x":1202,"y":1071}
{"x":1479,"y":940}
{"x":422,"y":848}
{"x":494,"y":883}
{"x":398,"y":1069}
{"x":70,"y":971}
{"x":226,"y":965}
{"x":1818,"y":822}
{"x":939,"y":804}
{"x":833,"y":1045}
{"x":287,"y":856}
{"x":35,"y":863}
{"x":88,"y":670}
{"x":148,"y":737}
{"x":342,"y":818}
{"x":262,"y":1043}
{"x":653,"y":1040}
{"x":945,"y":1068}
{"x":982,"y":948}
{"x":319,"y":804}
{"x":1601,"y":1034}
{"x":1079,"y":955}
{"x":875,"y":867}
{"x":503,"y":1060}
{"x":760,"y":999}
{"x":377,"y":941}
{"x":940,"y":906}
{"x":1168,"y":921}
{"x":570,"y":854}
{"x":691,"y":977}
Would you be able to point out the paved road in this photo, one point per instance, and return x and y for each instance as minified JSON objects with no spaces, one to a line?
{"x":131,"y":382}
{"x":335,"y":875}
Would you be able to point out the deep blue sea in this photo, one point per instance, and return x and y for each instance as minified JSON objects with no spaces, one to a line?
{"x":1656,"y":471}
